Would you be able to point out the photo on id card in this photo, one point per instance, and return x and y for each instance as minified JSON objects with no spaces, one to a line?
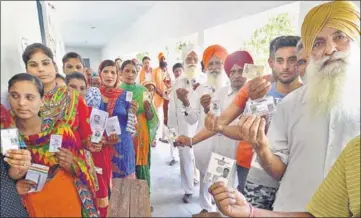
{"x":216,"y":107}
{"x":55,"y":143}
{"x":9,"y":139}
{"x":219,"y":169}
{"x":97,"y":134}
{"x":112,"y":126}
{"x":251,"y":71}
{"x":98,"y":118}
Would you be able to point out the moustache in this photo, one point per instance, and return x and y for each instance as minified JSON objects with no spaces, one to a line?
{"x":214,"y":73}
{"x":191,"y":66}
{"x":338,"y":56}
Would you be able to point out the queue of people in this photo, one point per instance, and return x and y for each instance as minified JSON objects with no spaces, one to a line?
{"x":302,"y":159}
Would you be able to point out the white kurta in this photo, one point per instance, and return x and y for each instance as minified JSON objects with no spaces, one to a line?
{"x":202,"y":150}
{"x":308,"y":145}
{"x":176,"y":120}
{"x":221,"y":144}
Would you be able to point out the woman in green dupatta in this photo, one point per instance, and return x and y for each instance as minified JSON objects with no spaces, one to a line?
{"x":147,"y":120}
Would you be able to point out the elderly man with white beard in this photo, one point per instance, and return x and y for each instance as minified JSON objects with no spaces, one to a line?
{"x":183,"y":87}
{"x":312,"y":125}
{"x":199,"y":105}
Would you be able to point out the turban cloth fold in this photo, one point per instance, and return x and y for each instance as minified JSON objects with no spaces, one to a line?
{"x":160,"y":55}
{"x":214,"y":50}
{"x":145,"y":83}
{"x":188,"y":49}
{"x":340,"y":15}
{"x":239,"y":57}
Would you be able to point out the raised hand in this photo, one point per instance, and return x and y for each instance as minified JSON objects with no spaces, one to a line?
{"x":258,"y":88}
{"x":96,"y":147}
{"x":112,"y":139}
{"x":182,"y":95}
{"x":211,"y":122}
{"x":251,"y":128}
{"x":65,"y":158}
{"x":183,"y":141}
{"x":18,"y":158}
{"x":23,"y":186}
{"x":229,"y":201}
{"x":206,"y":102}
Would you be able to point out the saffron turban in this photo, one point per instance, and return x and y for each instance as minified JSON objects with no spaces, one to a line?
{"x":214,"y":50}
{"x":160,"y":56}
{"x":239,"y":57}
{"x":188,"y":49}
{"x":340,"y":15}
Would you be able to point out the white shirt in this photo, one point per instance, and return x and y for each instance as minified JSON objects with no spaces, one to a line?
{"x":202,"y":150}
{"x":176,"y":115}
{"x":221,"y":144}
{"x":308,"y":145}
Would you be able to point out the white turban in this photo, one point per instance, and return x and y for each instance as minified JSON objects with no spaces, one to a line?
{"x":188,"y":49}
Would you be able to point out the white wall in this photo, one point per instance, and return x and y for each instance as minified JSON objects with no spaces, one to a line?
{"x":174,"y":19}
{"x":18,"y":19}
{"x":94,"y":54}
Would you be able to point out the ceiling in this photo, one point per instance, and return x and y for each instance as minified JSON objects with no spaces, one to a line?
{"x":92,"y":23}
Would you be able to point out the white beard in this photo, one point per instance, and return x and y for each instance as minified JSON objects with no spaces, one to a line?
{"x":336,"y":86}
{"x":217,"y":81}
{"x":191,"y":72}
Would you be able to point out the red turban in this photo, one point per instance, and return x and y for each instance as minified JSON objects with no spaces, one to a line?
{"x":160,"y":55}
{"x":239,"y":57}
{"x":215,"y":50}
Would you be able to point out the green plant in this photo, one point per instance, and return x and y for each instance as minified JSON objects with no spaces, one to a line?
{"x":141,"y":55}
{"x":258,"y":45}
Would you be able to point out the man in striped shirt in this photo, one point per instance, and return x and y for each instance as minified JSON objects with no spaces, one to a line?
{"x":337,"y":196}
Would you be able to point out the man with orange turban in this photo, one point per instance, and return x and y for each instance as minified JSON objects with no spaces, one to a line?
{"x":161,"y":100}
{"x":312,"y":125}
{"x":233,"y":66}
{"x":199,"y":105}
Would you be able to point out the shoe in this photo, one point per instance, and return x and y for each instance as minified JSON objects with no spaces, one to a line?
{"x":204,"y":211}
{"x":163,"y":140}
{"x":172,"y":162}
{"x":187,"y":198}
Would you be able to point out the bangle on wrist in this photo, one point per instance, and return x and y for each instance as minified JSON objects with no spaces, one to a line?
{"x":251,"y":210}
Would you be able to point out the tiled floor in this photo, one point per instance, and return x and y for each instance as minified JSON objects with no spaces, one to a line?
{"x":166,"y":191}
